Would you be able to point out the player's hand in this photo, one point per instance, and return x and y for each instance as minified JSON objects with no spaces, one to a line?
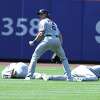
{"x":31,"y":43}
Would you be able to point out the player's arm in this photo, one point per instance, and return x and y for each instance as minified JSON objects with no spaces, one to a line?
{"x":39,"y":36}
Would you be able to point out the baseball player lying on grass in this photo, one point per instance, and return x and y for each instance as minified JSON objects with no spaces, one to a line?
{"x":80,"y":73}
{"x":18,"y":71}
{"x":15,"y":70}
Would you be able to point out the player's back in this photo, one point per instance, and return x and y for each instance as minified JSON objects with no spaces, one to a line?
{"x":50,"y":27}
{"x":21,"y":70}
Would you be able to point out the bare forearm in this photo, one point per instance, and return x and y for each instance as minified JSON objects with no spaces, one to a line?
{"x":39,"y":36}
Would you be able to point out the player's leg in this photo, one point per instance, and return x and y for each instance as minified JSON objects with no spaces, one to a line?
{"x":54,"y":77}
{"x":37,"y":75}
{"x":40,"y":49}
{"x":85,"y":78}
{"x":67,"y":71}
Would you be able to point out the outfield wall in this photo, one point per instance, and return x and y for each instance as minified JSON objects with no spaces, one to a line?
{"x":78,"y":20}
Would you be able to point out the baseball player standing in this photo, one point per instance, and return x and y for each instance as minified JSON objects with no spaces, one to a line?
{"x":52,"y":39}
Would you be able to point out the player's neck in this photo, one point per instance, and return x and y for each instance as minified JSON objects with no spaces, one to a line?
{"x":43,"y":18}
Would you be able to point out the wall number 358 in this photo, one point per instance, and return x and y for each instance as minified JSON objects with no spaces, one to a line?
{"x":21,"y":26}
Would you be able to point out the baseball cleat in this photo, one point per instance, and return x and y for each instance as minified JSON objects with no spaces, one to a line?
{"x":45,"y":77}
{"x":27,"y":78}
{"x":70,"y":80}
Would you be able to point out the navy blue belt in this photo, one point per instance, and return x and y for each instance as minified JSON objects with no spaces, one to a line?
{"x":52,"y":35}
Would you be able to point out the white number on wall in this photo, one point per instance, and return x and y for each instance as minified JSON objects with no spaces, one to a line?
{"x":34,"y":26}
{"x":21,"y":28}
{"x":7,"y":26}
{"x":21,"y":24}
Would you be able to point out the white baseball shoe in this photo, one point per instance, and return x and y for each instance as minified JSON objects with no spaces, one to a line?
{"x":70,"y":80}
{"x":37,"y":76}
{"x":45,"y":77}
{"x":27,"y":78}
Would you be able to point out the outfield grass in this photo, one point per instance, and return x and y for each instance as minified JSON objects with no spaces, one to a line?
{"x":18,"y":89}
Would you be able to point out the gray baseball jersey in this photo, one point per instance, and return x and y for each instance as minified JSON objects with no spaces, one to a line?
{"x":49,"y":27}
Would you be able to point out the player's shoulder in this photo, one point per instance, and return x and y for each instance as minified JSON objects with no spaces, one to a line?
{"x":21,"y":64}
{"x":44,"y":20}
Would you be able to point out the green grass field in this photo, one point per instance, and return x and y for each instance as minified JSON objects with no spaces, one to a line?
{"x":18,"y":89}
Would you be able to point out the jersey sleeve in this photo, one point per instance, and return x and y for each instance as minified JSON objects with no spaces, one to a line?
{"x":42,"y":26}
